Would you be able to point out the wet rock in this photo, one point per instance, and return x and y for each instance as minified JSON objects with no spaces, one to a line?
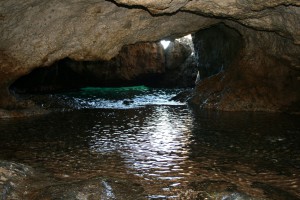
{"x":183,"y":96}
{"x":259,"y":77}
{"x":13,"y":180}
{"x":215,"y":49}
{"x":18,"y":181}
{"x":274,"y":192}
{"x":213,"y":189}
{"x":92,"y":189}
{"x":38,"y":33}
{"x":128,"y":102}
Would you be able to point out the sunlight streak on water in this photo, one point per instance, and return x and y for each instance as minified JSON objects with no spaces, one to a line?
{"x":157,"y":150}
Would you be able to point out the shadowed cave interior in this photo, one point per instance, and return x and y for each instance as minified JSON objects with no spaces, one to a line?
{"x":151,"y":64}
{"x":105,"y":111}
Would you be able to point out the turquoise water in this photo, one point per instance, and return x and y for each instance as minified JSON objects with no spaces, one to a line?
{"x":171,"y":150}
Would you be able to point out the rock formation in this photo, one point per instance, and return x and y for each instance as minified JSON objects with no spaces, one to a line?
{"x":216,"y":48}
{"x":38,"y":33}
{"x":262,"y":76}
{"x":136,"y":64}
{"x":19,"y":181}
{"x":180,"y":66}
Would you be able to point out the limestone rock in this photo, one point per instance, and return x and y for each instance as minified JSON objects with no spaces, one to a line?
{"x":282,"y":17}
{"x":140,"y":63}
{"x":180,"y":66}
{"x":260,"y":78}
{"x":163,"y":6}
{"x":12,"y":179}
{"x":37,"y":33}
{"x":133,"y":64}
{"x":215,"y":49}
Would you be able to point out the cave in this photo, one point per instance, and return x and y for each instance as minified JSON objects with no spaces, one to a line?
{"x":93,"y":105}
{"x":269,"y":45}
{"x":147,"y":63}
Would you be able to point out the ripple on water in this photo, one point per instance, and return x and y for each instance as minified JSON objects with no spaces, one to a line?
{"x":168,"y":149}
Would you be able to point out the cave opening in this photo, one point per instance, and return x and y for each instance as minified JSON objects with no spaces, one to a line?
{"x":178,"y":63}
{"x":169,"y":63}
{"x":166,"y":63}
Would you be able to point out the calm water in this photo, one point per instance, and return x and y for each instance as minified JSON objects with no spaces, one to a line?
{"x":172,"y":151}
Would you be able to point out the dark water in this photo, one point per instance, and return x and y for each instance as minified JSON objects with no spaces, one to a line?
{"x":169,"y":149}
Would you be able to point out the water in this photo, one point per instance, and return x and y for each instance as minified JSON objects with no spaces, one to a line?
{"x":168,"y":149}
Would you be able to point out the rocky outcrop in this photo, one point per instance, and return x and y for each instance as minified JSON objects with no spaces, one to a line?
{"x":12,"y":179}
{"x":281,"y":17}
{"x":261,"y":77}
{"x":180,"y":64}
{"x":138,"y":64}
{"x":135,"y":63}
{"x":19,"y":181}
{"x":38,"y":33}
{"x":215,"y":49}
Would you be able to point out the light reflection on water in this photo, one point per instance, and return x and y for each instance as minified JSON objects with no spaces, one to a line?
{"x":121,"y":98}
{"x":172,"y":151}
{"x":154,"y":147}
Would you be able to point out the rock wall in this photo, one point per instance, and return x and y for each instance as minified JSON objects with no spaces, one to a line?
{"x":180,"y":64}
{"x":215,"y":49}
{"x":133,"y":64}
{"x":262,"y":77}
{"x":279,"y":16}
{"x":137,"y":64}
{"x":37,"y":33}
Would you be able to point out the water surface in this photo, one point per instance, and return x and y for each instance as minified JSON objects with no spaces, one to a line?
{"x":172,"y":151}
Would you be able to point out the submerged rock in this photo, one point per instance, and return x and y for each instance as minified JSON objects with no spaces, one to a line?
{"x":13,"y":178}
{"x":93,"y":189}
{"x":18,"y":181}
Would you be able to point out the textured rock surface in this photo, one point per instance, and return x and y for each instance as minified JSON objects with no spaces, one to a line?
{"x":12,"y":179}
{"x":280,"y":16}
{"x":181,"y":69}
{"x":138,"y":64}
{"x":19,"y":181}
{"x":133,"y":63}
{"x":215,"y":49}
{"x":38,"y":33}
{"x":261,"y":77}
